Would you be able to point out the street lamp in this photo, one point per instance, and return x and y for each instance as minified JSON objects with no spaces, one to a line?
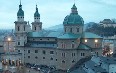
{"x":9,"y":39}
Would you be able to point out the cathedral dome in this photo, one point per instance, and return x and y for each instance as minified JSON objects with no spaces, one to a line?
{"x":74,"y":18}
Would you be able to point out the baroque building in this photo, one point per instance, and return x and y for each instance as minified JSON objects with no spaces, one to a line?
{"x":52,"y":48}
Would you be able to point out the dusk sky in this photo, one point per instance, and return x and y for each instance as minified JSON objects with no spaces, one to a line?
{"x":53,"y":12}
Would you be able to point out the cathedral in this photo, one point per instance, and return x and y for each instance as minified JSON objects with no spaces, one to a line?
{"x":55,"y":48}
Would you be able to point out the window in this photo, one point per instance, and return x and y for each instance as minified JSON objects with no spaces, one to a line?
{"x":28,"y":51}
{"x":18,"y":28}
{"x":73,"y":45}
{"x":24,"y":27}
{"x":56,"y":59}
{"x":51,"y":52}
{"x":97,"y":53}
{"x":63,"y":61}
{"x":51,"y":58}
{"x":43,"y":57}
{"x":77,"y":29}
{"x":96,"y":45}
{"x":18,"y":43}
{"x":82,"y":54}
{"x":28,"y":56}
{"x":63,"y":54}
{"x":36,"y":57}
{"x":65,"y":29}
{"x":35,"y":27}
{"x":36,"y":51}
{"x":63,"y":45}
{"x":73,"y":61}
{"x":71,"y":30}
{"x":44,"y":52}
{"x":73,"y":54}
{"x":18,"y":50}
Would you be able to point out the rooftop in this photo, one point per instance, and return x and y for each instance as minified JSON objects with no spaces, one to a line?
{"x":90,"y":35}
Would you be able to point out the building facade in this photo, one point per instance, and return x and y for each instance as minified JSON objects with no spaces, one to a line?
{"x":53,"y":48}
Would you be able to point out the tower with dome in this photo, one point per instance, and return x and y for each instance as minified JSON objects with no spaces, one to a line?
{"x":53,"y":48}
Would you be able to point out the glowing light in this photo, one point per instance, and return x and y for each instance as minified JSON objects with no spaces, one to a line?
{"x":85,"y":40}
{"x":9,"y":39}
{"x":96,"y":41}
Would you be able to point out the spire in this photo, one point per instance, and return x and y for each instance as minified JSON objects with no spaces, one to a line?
{"x":20,"y":2}
{"x":20,"y":6}
{"x":20,"y":12}
{"x":36,"y":8}
{"x":36,"y":12}
{"x":74,"y":1}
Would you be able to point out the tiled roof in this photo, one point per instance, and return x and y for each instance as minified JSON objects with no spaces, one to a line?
{"x":90,"y":35}
{"x":83,"y":46}
{"x":80,"y":70}
{"x":61,"y":35}
{"x":96,"y":68}
{"x":69,"y":36}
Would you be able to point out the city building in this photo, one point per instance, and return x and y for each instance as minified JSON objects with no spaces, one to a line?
{"x":108,"y":23}
{"x":52,"y":48}
{"x":98,"y":64}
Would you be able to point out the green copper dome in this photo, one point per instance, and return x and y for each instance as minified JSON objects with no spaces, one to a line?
{"x":74,"y":18}
{"x":20,"y":12}
{"x":36,"y":14}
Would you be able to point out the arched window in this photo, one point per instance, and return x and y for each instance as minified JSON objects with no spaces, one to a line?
{"x":71,"y":30}
{"x":35,"y":27}
{"x":24,"y":27}
{"x":65,"y":29}
{"x":77,"y":29}
{"x":18,"y":28}
{"x":73,"y":45}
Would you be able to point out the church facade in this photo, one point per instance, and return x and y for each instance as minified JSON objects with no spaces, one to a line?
{"x":52,"y":48}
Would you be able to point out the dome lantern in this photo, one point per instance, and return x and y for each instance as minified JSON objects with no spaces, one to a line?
{"x":74,"y":9}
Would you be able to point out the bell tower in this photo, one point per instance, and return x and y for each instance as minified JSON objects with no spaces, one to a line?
{"x":21,"y":28}
{"x":36,"y":25}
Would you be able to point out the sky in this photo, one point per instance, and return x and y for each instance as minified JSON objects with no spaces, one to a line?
{"x":53,"y":12}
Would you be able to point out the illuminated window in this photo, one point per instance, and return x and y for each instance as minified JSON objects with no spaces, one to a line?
{"x":96,"y":45}
{"x":85,"y":40}
{"x":96,"y":41}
